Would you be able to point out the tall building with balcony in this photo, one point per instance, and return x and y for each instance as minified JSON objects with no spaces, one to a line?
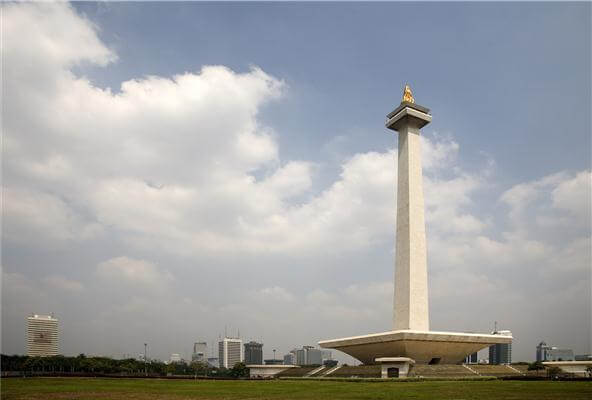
{"x":42,"y":335}
{"x":230,"y":352}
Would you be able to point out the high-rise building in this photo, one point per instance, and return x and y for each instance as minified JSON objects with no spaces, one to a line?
{"x":42,"y":336}
{"x":199,"y":352}
{"x":230,"y":352}
{"x":290,"y":358}
{"x":552,"y":353}
{"x":253,"y":353}
{"x":541,"y":351}
{"x":308,"y":355}
{"x":501,"y":353}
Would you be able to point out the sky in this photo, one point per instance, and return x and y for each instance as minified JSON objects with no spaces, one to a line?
{"x":174,"y":171}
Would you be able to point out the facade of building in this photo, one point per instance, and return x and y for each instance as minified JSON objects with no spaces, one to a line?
{"x":308,"y":355}
{"x":175,"y":358}
{"x":230,"y":352}
{"x":253,"y":353}
{"x":556,"y":354}
{"x":552,"y":353}
{"x":501,"y":353}
{"x":42,"y":336}
{"x":541,"y":351}
{"x":290,"y":358}
{"x":199,"y":352}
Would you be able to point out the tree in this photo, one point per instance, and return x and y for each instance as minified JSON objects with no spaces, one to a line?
{"x":589,"y":371}
{"x":536,"y":366}
{"x":554,"y":372}
{"x":239,"y":370}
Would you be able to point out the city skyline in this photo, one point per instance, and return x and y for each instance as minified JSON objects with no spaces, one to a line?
{"x":169,"y":169}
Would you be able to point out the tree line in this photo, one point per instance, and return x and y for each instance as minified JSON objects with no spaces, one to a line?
{"x":105,"y":365}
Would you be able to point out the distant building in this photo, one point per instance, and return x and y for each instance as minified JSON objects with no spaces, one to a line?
{"x":175,"y":358}
{"x":326,"y":355}
{"x":230,"y":352}
{"x":253,"y":353}
{"x":471,"y":359}
{"x":290,"y":358}
{"x":583,"y":357}
{"x":556,"y":354}
{"x":213,"y":362}
{"x":308,"y":355}
{"x":199,"y":352}
{"x":541,"y":351}
{"x":501,"y":353}
{"x":274,"y":361}
{"x":42,"y":336}
{"x":552,"y":353}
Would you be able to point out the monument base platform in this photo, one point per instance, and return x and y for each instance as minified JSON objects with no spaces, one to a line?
{"x":425,"y":347}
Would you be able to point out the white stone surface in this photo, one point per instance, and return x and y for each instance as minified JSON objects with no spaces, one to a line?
{"x":423,"y":347}
{"x":402,"y":364}
{"x":411,"y":276}
{"x":411,"y":336}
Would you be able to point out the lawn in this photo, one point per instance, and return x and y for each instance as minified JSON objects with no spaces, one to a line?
{"x":119,"y":389}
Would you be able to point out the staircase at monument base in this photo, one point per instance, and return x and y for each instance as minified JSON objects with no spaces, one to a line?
{"x":421,"y":370}
{"x":441,"y":371}
{"x":296,"y":372}
{"x":316,"y":371}
{"x":494,"y":370}
{"x":361,"y":371}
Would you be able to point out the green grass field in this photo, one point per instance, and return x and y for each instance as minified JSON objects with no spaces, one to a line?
{"x":98,"y":388}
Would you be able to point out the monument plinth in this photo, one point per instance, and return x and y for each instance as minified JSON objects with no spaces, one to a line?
{"x":411,"y":336}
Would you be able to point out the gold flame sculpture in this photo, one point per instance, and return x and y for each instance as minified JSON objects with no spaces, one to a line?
{"x":407,"y":95}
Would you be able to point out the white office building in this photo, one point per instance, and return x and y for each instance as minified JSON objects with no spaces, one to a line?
{"x":230,"y":352}
{"x":42,"y":336}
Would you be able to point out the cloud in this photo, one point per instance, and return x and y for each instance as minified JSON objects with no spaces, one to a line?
{"x":133,"y":272}
{"x":168,"y":198}
{"x":64,"y":284}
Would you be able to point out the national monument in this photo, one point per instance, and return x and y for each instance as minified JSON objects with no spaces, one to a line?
{"x":411,"y":340}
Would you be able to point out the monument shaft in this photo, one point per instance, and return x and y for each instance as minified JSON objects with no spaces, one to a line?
{"x":411,"y":340}
{"x":411,"y":278}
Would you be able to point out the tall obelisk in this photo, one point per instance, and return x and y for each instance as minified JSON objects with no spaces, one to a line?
{"x":411,"y":277}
